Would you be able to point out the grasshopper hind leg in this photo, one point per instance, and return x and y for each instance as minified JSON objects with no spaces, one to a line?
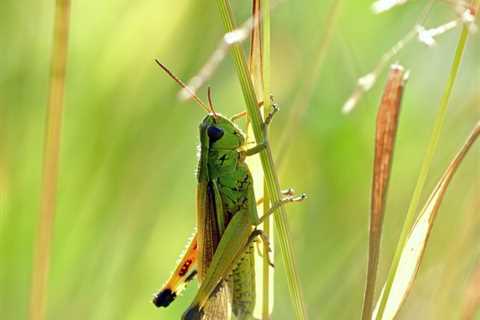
{"x":184,"y":273}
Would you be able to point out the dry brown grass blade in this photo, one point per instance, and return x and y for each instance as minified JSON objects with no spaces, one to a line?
{"x":255,"y":54}
{"x":387,"y":123}
{"x":472,"y":296}
{"x":413,"y":251}
{"x":50,"y":162}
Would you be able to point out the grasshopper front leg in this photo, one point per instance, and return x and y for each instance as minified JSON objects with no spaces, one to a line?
{"x":262,"y":145}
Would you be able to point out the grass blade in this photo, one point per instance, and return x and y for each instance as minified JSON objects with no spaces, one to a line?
{"x":414,"y":248}
{"x":38,"y":295}
{"x":267,"y":294}
{"x":426,"y":165}
{"x":273,"y":185}
{"x":255,"y":57}
{"x":264,"y":272}
{"x":387,"y":123}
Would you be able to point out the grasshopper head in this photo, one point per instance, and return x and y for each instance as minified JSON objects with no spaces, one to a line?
{"x":221,"y":132}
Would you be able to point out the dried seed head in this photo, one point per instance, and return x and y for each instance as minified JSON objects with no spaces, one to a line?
{"x":427,"y":36}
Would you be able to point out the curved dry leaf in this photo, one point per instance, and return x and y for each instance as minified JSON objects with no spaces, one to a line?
{"x":414,"y":248}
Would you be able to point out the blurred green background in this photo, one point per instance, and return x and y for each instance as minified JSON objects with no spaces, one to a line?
{"x":126,"y":202}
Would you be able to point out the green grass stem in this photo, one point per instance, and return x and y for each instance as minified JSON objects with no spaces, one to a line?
{"x":273,"y":185}
{"x":267,"y":105}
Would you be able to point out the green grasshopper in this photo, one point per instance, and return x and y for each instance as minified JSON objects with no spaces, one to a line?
{"x":221,"y":252}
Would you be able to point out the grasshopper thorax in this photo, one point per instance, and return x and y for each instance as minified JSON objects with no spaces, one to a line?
{"x":221,"y":133}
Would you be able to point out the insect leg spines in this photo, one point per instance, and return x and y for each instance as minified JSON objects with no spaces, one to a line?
{"x":185,"y":272}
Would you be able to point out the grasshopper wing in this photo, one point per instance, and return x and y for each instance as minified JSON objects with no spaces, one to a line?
{"x":218,"y":305}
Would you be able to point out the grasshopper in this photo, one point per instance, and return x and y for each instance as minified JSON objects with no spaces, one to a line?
{"x":220,"y":254}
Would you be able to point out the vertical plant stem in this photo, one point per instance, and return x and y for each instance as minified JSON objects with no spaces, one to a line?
{"x":38,"y":295}
{"x":426,"y":165}
{"x":256,"y":69}
{"x":273,"y":186}
{"x":267,"y":104}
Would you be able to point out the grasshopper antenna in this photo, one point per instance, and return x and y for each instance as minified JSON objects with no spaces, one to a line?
{"x":210,"y":103}
{"x":185,"y":87}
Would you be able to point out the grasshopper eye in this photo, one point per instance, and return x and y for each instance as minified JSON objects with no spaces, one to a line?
{"x":214,"y":133}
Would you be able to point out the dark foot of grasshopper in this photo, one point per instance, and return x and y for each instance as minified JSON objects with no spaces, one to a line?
{"x":164,"y":298}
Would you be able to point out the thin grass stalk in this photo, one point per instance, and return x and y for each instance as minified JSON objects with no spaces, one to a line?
{"x":273,"y":185}
{"x":425,"y":169}
{"x":38,"y":294}
{"x":255,"y":56}
{"x":255,"y":61}
{"x":267,"y":105}
{"x":387,"y":124}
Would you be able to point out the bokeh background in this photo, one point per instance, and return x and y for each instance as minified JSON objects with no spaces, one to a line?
{"x":126,"y":202}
